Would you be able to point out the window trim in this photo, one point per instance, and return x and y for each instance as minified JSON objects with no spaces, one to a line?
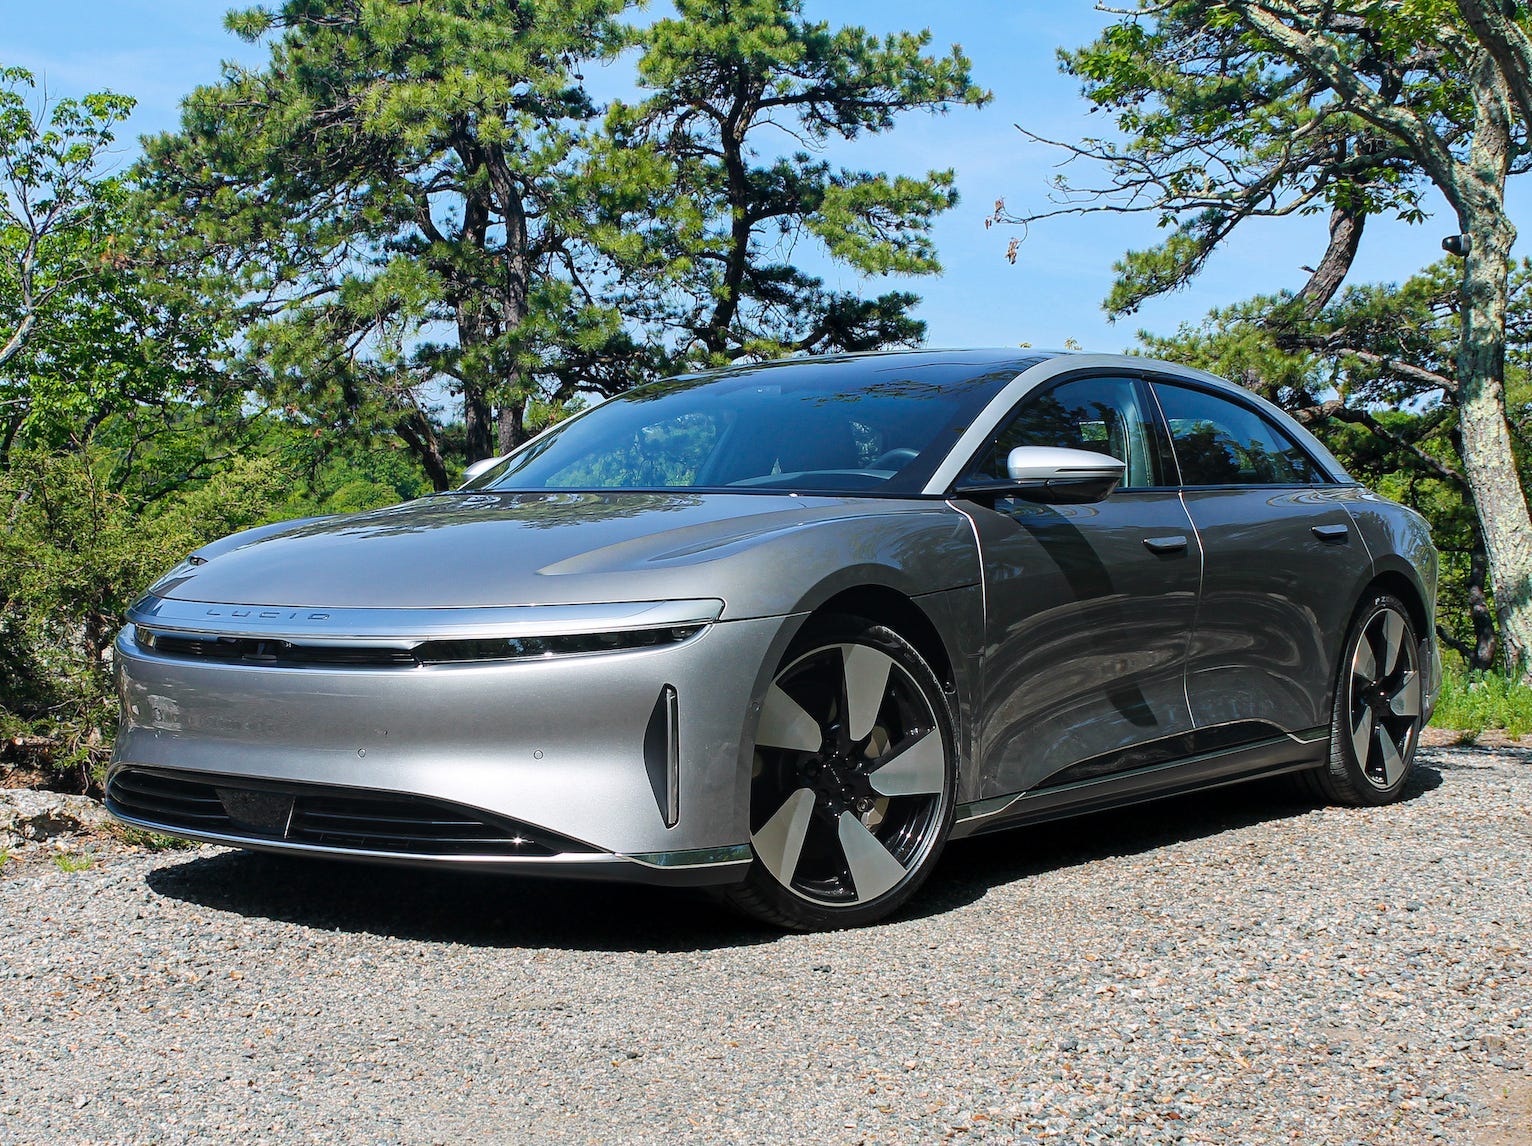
{"x":1149,"y":409}
{"x":1150,"y":377}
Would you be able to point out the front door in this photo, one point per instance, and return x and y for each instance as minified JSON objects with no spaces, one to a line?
{"x":1088,"y":607}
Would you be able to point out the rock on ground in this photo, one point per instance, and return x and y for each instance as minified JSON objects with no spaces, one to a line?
{"x":31,"y":816}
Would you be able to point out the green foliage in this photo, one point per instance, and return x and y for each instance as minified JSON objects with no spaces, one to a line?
{"x":73,"y":555}
{"x":709,"y":209}
{"x":79,"y":336}
{"x":72,"y":862}
{"x":396,"y":173}
{"x":1219,"y":117}
{"x":150,"y":841}
{"x":412,"y":199}
{"x":1476,"y":701}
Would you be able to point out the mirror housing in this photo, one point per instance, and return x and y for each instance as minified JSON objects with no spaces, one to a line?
{"x":479,"y":467}
{"x":1055,"y":475}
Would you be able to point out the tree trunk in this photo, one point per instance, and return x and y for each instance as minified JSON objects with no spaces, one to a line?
{"x":479,"y":422}
{"x":1485,"y":643}
{"x":1477,"y":190}
{"x":1346,"y":226}
{"x":415,"y":429}
{"x":1488,"y":459}
{"x":513,"y":425}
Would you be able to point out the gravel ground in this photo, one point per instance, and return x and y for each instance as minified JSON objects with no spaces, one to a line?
{"x":1236,"y":967}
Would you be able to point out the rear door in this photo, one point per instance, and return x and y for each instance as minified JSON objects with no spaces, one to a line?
{"x":1281,"y":562}
{"x":1089,"y":607}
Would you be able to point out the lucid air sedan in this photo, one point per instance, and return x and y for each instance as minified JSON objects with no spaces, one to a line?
{"x":786,"y":629}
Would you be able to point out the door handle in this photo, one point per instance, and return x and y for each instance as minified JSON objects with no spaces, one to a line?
{"x":1331,"y":533}
{"x":1171,"y":543}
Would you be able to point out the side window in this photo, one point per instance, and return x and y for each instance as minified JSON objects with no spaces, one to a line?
{"x":1218,"y":442}
{"x":1098,"y":414}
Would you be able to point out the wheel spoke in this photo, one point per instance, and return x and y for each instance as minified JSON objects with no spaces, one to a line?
{"x":1393,"y":763}
{"x":1406,"y":698}
{"x":1361,"y":736}
{"x":779,"y":843}
{"x":920,"y":769}
{"x":784,"y":724}
{"x":866,"y":682}
{"x":1393,"y":642}
{"x":1364,"y":665}
{"x":873,"y":868}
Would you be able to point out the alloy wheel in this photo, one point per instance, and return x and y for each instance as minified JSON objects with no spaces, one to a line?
{"x":1384,"y":697}
{"x":850,"y":780}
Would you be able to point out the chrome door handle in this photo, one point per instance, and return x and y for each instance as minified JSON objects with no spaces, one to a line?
{"x":1331,"y":533}
{"x":1171,"y":543}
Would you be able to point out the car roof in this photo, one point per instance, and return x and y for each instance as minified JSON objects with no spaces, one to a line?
{"x":957,"y":363}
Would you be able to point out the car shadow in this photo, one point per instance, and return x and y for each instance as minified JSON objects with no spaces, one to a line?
{"x":973,"y":866}
{"x":473,"y":908}
{"x":499,"y":911}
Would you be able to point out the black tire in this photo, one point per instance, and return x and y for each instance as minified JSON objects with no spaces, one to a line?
{"x":1375,"y":725}
{"x":835,"y":805}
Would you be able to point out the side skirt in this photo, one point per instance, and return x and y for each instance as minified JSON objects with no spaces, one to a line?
{"x":1270,"y":757}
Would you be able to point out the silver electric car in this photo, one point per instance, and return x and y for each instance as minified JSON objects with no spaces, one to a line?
{"x":787,"y":628}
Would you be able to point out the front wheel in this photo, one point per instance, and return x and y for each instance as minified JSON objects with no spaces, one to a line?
{"x":1378,"y":707}
{"x":853,"y":780}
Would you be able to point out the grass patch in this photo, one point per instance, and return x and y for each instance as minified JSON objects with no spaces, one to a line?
{"x":1474,"y":701}
{"x":67,"y":862}
{"x":5,"y":857}
{"x":150,"y":841}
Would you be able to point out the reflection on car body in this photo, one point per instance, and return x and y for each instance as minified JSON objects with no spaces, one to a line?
{"x":787,"y":628}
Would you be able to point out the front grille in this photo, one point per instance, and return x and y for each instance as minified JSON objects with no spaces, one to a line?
{"x":323,"y":816}
{"x":251,"y":650}
{"x":262,"y":651}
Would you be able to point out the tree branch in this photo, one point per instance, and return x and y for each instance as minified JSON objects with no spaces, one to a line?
{"x":1318,"y":56}
{"x":1343,"y":413}
{"x":1508,"y":44}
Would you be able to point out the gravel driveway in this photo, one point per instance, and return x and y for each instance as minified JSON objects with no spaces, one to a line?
{"x":1236,"y":967}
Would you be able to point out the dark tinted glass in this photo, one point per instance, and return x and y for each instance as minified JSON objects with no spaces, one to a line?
{"x":801,"y":428}
{"x":1218,"y":442}
{"x":1097,"y":414}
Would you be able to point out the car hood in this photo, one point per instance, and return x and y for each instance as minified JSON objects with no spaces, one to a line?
{"x":489,"y":549}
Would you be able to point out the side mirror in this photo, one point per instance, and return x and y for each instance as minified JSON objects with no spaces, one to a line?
{"x":479,"y":467}
{"x":1053,"y":475}
{"x":1057,"y":474}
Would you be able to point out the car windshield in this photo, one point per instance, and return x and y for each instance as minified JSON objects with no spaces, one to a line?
{"x":841,"y":426}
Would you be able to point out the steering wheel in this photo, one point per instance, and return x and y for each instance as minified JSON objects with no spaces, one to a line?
{"x":894,"y":459}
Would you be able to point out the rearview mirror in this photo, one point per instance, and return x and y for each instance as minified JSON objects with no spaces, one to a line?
{"x":1057,"y":474}
{"x":479,"y":467}
{"x":1052,"y":474}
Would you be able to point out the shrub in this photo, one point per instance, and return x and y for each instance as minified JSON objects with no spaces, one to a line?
{"x":73,"y":555}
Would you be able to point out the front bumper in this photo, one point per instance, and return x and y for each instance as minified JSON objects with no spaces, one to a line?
{"x":633,"y":757}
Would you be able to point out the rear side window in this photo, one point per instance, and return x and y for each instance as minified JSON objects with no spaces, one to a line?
{"x":1218,"y":442}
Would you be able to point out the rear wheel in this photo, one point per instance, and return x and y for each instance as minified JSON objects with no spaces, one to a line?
{"x":853,"y":780}
{"x":1378,"y":707}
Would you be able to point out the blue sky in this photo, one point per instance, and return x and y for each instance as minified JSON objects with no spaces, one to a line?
{"x":157,"y":50}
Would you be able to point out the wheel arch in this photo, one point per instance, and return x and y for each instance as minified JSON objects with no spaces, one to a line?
{"x":887,"y":606}
{"x":1402,"y":586}
{"x":944,"y":627}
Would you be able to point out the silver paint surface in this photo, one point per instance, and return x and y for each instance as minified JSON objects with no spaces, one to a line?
{"x":1067,"y":638}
